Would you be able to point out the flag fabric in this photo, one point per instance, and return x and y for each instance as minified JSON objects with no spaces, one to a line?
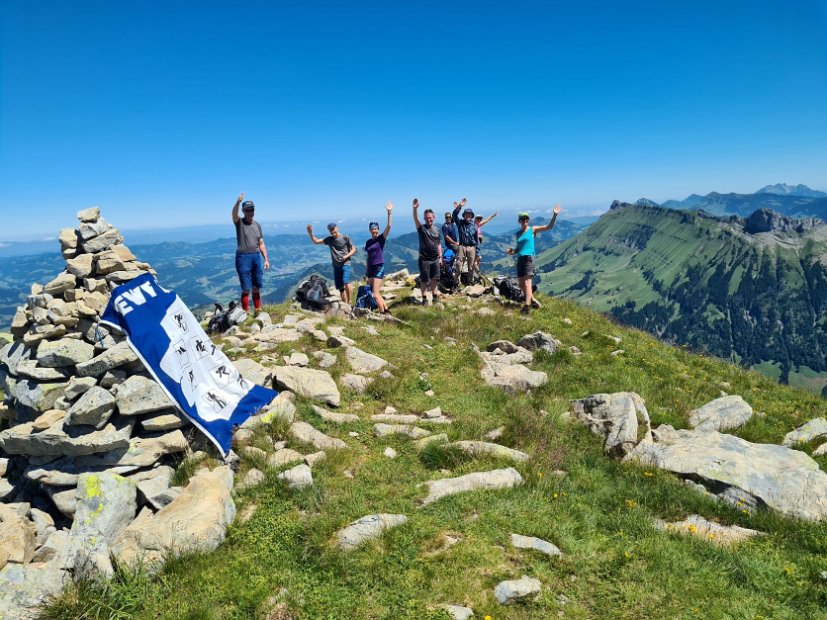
{"x":195,"y":373}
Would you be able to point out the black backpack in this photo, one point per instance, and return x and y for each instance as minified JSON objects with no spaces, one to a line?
{"x":313,"y":292}
{"x":510,"y":288}
{"x":223,"y":320}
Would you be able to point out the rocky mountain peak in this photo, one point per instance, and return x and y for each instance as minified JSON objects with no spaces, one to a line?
{"x":766,"y":220}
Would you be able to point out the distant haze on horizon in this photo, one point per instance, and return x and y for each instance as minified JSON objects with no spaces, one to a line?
{"x":160,"y":113}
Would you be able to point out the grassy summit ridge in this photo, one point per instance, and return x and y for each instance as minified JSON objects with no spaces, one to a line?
{"x":280,"y":564}
{"x":688,"y":277}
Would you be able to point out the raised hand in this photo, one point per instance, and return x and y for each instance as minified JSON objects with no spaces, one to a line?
{"x":240,"y":197}
{"x":464,"y":201}
{"x":389,"y":206}
{"x":310,"y":228}
{"x":556,"y":210}
{"x":416,"y":203}
{"x":510,"y":251}
{"x":456,"y":204}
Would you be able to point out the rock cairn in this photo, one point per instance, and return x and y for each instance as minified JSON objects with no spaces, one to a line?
{"x":86,"y":428}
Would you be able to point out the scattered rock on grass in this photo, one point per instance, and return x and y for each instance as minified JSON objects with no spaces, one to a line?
{"x":508,"y":592}
{"x":365,"y":529}
{"x":721,"y":414}
{"x":478,"y":481}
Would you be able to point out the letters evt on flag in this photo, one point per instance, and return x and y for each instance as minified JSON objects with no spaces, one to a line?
{"x":193,"y":371}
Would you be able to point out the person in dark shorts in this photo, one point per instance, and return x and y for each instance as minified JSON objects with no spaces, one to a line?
{"x":375,"y":267}
{"x":525,"y":254}
{"x":249,"y":251}
{"x":430,"y":253}
{"x":341,"y":251}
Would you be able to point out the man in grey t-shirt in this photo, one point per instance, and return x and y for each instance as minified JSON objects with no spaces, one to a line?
{"x":341,"y":250}
{"x":430,"y":253}
{"x":249,"y":251}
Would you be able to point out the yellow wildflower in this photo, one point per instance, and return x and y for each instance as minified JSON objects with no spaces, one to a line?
{"x":712,"y":536}
{"x":630,"y":503}
{"x":648,"y":474}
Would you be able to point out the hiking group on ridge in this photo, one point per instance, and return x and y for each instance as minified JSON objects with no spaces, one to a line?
{"x":462,"y":237}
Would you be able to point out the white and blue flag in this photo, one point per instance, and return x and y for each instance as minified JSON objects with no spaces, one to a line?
{"x":194,"y":372}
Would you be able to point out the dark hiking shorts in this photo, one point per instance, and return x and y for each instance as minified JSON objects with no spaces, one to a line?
{"x":525,"y":266}
{"x":428,"y":270}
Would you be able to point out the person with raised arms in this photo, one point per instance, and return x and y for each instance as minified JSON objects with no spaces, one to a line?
{"x":525,"y":254}
{"x":341,"y":251}
{"x":249,"y":251}
{"x":375,"y":266}
{"x":467,"y":232}
{"x":430,"y":253}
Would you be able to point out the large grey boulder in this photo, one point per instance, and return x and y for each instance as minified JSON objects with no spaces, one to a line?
{"x":366,"y":528}
{"x":32,"y":396}
{"x":362,"y":362}
{"x":59,"y":440}
{"x":539,"y":340}
{"x":307,"y":382}
{"x":139,"y":395}
{"x":195,"y":521}
{"x":23,"y":589}
{"x":64,"y":352}
{"x":807,"y":432}
{"x":478,"y":481}
{"x":620,"y":418}
{"x":508,"y":592}
{"x":276,"y":335}
{"x":357,"y":383}
{"x":304,"y":432}
{"x":93,"y":408}
{"x":784,"y":479}
{"x":721,"y":414}
{"x":512,"y":377}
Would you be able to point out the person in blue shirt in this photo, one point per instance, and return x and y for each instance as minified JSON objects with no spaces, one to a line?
{"x":449,"y":233}
{"x":525,"y":254}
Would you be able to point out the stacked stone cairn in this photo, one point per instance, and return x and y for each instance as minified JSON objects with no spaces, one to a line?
{"x":87,"y":437}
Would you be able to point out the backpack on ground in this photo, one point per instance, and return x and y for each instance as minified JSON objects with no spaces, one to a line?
{"x":222,"y":320}
{"x":365,"y":298}
{"x":510,"y":288}
{"x":313,"y":292}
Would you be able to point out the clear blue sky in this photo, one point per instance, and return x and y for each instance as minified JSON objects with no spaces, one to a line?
{"x":161,"y":112}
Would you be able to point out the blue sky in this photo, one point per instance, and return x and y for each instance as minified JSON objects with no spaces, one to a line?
{"x":161,"y":112}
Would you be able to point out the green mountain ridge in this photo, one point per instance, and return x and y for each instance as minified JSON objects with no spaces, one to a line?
{"x":707,"y":282}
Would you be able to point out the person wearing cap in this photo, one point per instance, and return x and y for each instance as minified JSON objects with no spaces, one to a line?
{"x":449,"y":233}
{"x":249,"y":251}
{"x":430,"y":253}
{"x":467,"y":233}
{"x":341,"y":250}
{"x":525,"y":254}
{"x":375,"y":267}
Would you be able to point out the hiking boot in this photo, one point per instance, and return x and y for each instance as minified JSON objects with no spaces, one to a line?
{"x":525,"y":310}
{"x":535,"y":303}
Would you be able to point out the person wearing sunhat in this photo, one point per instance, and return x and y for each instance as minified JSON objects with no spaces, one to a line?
{"x":341,"y":250}
{"x":375,"y":267}
{"x":525,"y":254}
{"x":250,"y":250}
{"x":467,"y":233}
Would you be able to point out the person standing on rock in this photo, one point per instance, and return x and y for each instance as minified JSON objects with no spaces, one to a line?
{"x":525,"y":255}
{"x":249,"y":251}
{"x":375,"y":267}
{"x":467,"y":231}
{"x":341,"y":251}
{"x":430,"y":253}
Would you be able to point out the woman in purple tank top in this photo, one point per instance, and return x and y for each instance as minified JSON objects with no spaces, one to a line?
{"x":375,"y":269}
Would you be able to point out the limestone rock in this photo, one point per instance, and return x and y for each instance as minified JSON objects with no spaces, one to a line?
{"x":102,"y":241}
{"x":304,"y":432}
{"x":280,"y":408}
{"x":195,"y":521}
{"x":255,"y":372}
{"x":366,"y":528}
{"x":94,"y":408}
{"x":539,"y":340}
{"x":508,"y":592}
{"x":395,"y":418}
{"x":139,"y":395}
{"x":698,"y":526}
{"x":357,"y":383}
{"x":362,"y":362}
{"x":119,"y":355}
{"x":298,"y":359}
{"x":276,"y":335}
{"x":24,"y":588}
{"x":17,"y":537}
{"x":512,"y":377}
{"x":252,"y":478}
{"x":336,"y":418}
{"x":721,"y":414}
{"x":64,"y":352}
{"x":57,"y":440}
{"x":326,"y":360}
{"x":32,"y":396}
{"x":162,"y":422}
{"x":478,"y":481}
{"x":77,"y":386}
{"x":784,"y":479}
{"x":458,"y":612}
{"x":316,"y":457}
{"x":807,"y":432}
{"x":538,"y":544}
{"x":92,"y":214}
{"x":297,"y":477}
{"x":620,"y":418}
{"x":285,"y":456}
{"x":307,"y":382}
{"x":482,"y":448}
{"x":406,"y":430}
{"x":81,"y":266}
{"x":62,"y":283}
{"x":390,"y":453}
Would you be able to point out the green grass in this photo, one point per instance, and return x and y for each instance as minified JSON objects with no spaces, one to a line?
{"x":280,"y":563}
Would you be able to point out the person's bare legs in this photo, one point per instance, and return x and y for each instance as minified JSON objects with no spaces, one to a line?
{"x":348,"y":292}
{"x":525,"y":284}
{"x":435,"y":290}
{"x":376,"y":287}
